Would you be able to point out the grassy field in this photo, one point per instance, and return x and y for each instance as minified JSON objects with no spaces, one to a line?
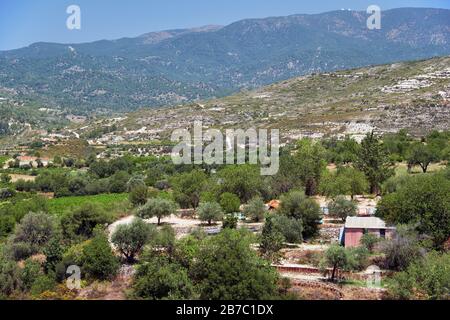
{"x":116,"y":204}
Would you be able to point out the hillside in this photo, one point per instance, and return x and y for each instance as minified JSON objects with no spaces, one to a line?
{"x":385,"y":98}
{"x":179,"y":66}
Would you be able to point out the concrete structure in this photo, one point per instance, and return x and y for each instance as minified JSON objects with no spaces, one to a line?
{"x":356,"y":227}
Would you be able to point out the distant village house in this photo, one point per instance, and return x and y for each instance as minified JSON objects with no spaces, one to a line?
{"x":33,"y":161}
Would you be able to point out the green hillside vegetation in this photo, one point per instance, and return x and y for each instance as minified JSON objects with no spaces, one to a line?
{"x":320,"y":103}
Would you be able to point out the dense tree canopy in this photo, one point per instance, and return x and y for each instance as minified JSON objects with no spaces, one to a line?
{"x":423,"y":201}
{"x":245,"y":181}
{"x":230,"y":270}
{"x":187,"y":188}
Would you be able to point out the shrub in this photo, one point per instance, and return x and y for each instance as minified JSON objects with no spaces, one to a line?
{"x":20,"y":250}
{"x":369,"y":241}
{"x":427,"y":278}
{"x":160,"y":279}
{"x":10,"y":278}
{"x":43,"y":283}
{"x":230,"y":221}
{"x":226,"y":268}
{"x":402,"y":250}
{"x":5,"y":178}
{"x":30,"y":273}
{"x":6,"y":193}
{"x":53,"y":254}
{"x":290,"y":228}
{"x":98,"y":259}
{"x":7,"y":223}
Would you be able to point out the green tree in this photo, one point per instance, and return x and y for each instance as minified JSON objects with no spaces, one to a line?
{"x":374,"y":162}
{"x":81,"y":221}
{"x":135,"y":181}
{"x":422,"y":201}
{"x":422,"y":155}
{"x":187,"y":188}
{"x":210,"y":211}
{"x":242,"y":180}
{"x":271,"y":240}
{"x":290,"y":228}
{"x":255,"y":209}
{"x":35,"y":230}
{"x":129,"y":239}
{"x":118,"y":182}
{"x":310,"y":162}
{"x":226,"y":268}
{"x":138,"y":195}
{"x":337,"y":258}
{"x":230,"y":202}
{"x":98,"y":259}
{"x":157,"y":207}
{"x":354,"y":180}
{"x":342,"y":208}
{"x":158,"y":278}
{"x":296,"y":205}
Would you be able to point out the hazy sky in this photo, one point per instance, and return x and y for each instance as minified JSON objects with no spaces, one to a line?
{"x":23,"y":22}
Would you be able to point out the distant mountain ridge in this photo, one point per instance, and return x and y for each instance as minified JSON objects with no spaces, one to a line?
{"x":177,"y":66}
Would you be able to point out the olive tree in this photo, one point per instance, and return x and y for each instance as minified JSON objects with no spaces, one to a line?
{"x":157,"y":207}
{"x":255,"y":209}
{"x":129,"y":239}
{"x":210,"y":211}
{"x":342,"y":208}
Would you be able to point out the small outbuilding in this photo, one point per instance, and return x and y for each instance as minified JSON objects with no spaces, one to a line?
{"x":355,"y":227}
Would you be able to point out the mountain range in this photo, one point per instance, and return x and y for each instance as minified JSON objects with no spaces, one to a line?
{"x":180,"y":66}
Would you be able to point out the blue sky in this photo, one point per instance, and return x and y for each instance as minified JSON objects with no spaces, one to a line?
{"x":23,"y":22}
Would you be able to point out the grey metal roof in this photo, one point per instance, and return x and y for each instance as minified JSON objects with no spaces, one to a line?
{"x":365,"y":223}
